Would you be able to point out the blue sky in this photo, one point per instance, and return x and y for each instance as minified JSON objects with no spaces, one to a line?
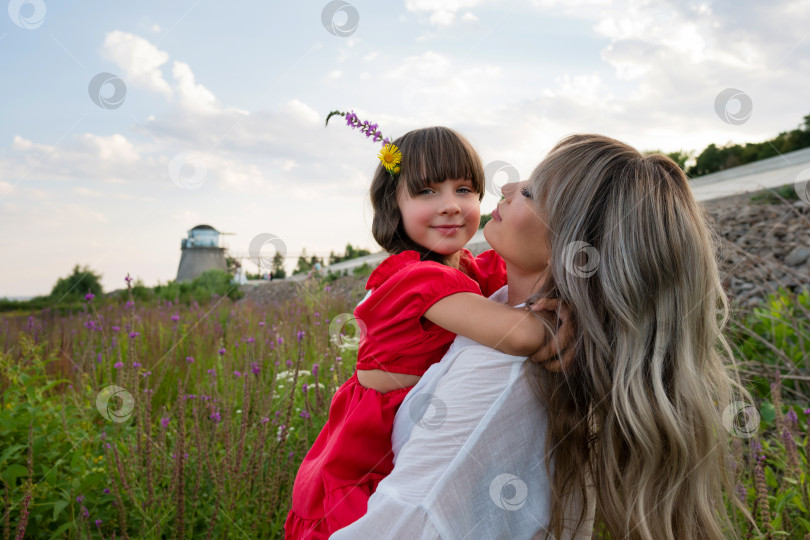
{"x":238,"y":92}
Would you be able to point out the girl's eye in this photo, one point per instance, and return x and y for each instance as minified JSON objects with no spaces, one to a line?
{"x":425,"y":191}
{"x":465,"y":189}
{"x":525,"y":192}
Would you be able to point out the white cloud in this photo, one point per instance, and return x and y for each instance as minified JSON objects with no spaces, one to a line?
{"x":195,"y":97}
{"x":440,"y":13}
{"x":140,"y":60}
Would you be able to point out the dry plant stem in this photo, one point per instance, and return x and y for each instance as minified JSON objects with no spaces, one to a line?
{"x":122,"y":518}
{"x":787,"y":203}
{"x":788,"y":362}
{"x":150,"y":486}
{"x":180,"y":465}
{"x":7,"y":513}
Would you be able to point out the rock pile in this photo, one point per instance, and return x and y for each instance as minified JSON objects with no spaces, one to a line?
{"x":764,"y":246}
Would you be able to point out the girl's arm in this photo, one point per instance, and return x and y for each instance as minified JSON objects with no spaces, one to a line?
{"x":510,"y":330}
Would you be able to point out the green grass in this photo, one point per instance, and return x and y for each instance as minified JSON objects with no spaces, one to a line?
{"x":238,"y":462}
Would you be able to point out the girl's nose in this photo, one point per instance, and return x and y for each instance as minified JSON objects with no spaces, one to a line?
{"x":449,"y":205}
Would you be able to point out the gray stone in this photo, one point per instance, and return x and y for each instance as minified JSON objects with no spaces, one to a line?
{"x":797,"y":256}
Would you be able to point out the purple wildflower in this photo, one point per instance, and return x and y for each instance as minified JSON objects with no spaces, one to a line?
{"x":164,"y":422}
{"x":264,"y":420}
{"x":80,"y":498}
{"x":280,"y":340}
{"x":128,"y":279}
{"x":289,"y":363}
{"x":133,"y":335}
{"x":129,"y":304}
{"x":146,"y":374}
{"x":89,"y":296}
{"x":304,"y":388}
{"x":261,"y":323}
{"x":116,"y":328}
{"x":118,"y":365}
{"x":98,"y":523}
{"x":305,"y":414}
{"x":327,"y":288}
{"x":190,"y":359}
{"x":215,"y":416}
{"x":175,"y":318}
{"x":250,"y":340}
{"x":300,"y":336}
{"x":85,"y":513}
{"x":236,"y":373}
{"x":255,"y":368}
{"x":222,"y":351}
{"x":212,"y":372}
{"x":136,"y":365}
{"x":315,"y":370}
{"x":106,"y":491}
{"x":98,"y":358}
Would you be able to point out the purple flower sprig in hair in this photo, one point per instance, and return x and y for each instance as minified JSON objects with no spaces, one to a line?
{"x":366,"y":128}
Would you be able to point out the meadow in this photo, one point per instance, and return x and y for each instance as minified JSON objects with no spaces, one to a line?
{"x":139,"y":417}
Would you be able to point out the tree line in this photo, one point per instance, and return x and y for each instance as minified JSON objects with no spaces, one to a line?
{"x":716,"y":158}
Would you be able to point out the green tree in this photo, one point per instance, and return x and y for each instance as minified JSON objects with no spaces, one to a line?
{"x":303,"y":266}
{"x":278,"y":266}
{"x":76,"y":285}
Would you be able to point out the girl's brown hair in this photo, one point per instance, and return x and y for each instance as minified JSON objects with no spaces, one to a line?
{"x":635,"y":425}
{"x":429,"y":156}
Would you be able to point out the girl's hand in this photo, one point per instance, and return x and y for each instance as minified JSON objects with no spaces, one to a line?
{"x":558,"y":353}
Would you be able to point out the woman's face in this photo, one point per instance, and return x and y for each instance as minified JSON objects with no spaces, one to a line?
{"x":517,"y":230}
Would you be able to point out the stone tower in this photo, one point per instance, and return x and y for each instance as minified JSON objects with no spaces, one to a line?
{"x":200,"y":252}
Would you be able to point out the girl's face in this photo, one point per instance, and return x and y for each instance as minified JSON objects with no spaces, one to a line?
{"x":517,"y":231}
{"x":442,"y":217}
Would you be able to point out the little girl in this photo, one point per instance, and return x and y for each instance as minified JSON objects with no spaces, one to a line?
{"x":420,"y":297}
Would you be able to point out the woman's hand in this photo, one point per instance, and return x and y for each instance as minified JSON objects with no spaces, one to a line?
{"x":558,"y":354}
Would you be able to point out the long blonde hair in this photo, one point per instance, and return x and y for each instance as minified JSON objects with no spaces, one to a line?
{"x":635,"y":424}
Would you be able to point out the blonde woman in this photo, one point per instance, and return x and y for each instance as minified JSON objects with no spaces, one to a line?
{"x":630,"y":427}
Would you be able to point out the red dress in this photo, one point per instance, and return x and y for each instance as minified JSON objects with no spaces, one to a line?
{"x":353,"y":451}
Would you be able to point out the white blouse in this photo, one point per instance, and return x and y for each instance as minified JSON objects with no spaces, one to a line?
{"x":469,"y":446}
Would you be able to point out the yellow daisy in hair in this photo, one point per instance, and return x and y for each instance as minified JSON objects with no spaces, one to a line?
{"x":390,"y":156}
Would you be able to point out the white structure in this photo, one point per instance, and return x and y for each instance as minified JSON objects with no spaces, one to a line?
{"x":200,"y":252}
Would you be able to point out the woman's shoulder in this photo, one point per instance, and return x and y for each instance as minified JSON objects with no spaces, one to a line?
{"x":408,"y":263}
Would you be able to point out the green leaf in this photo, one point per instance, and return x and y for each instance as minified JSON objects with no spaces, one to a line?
{"x":58,"y":532}
{"x":13,"y":472}
{"x":804,"y":522}
{"x":767,"y":412}
{"x":11,"y":450}
{"x":58,"y":506}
